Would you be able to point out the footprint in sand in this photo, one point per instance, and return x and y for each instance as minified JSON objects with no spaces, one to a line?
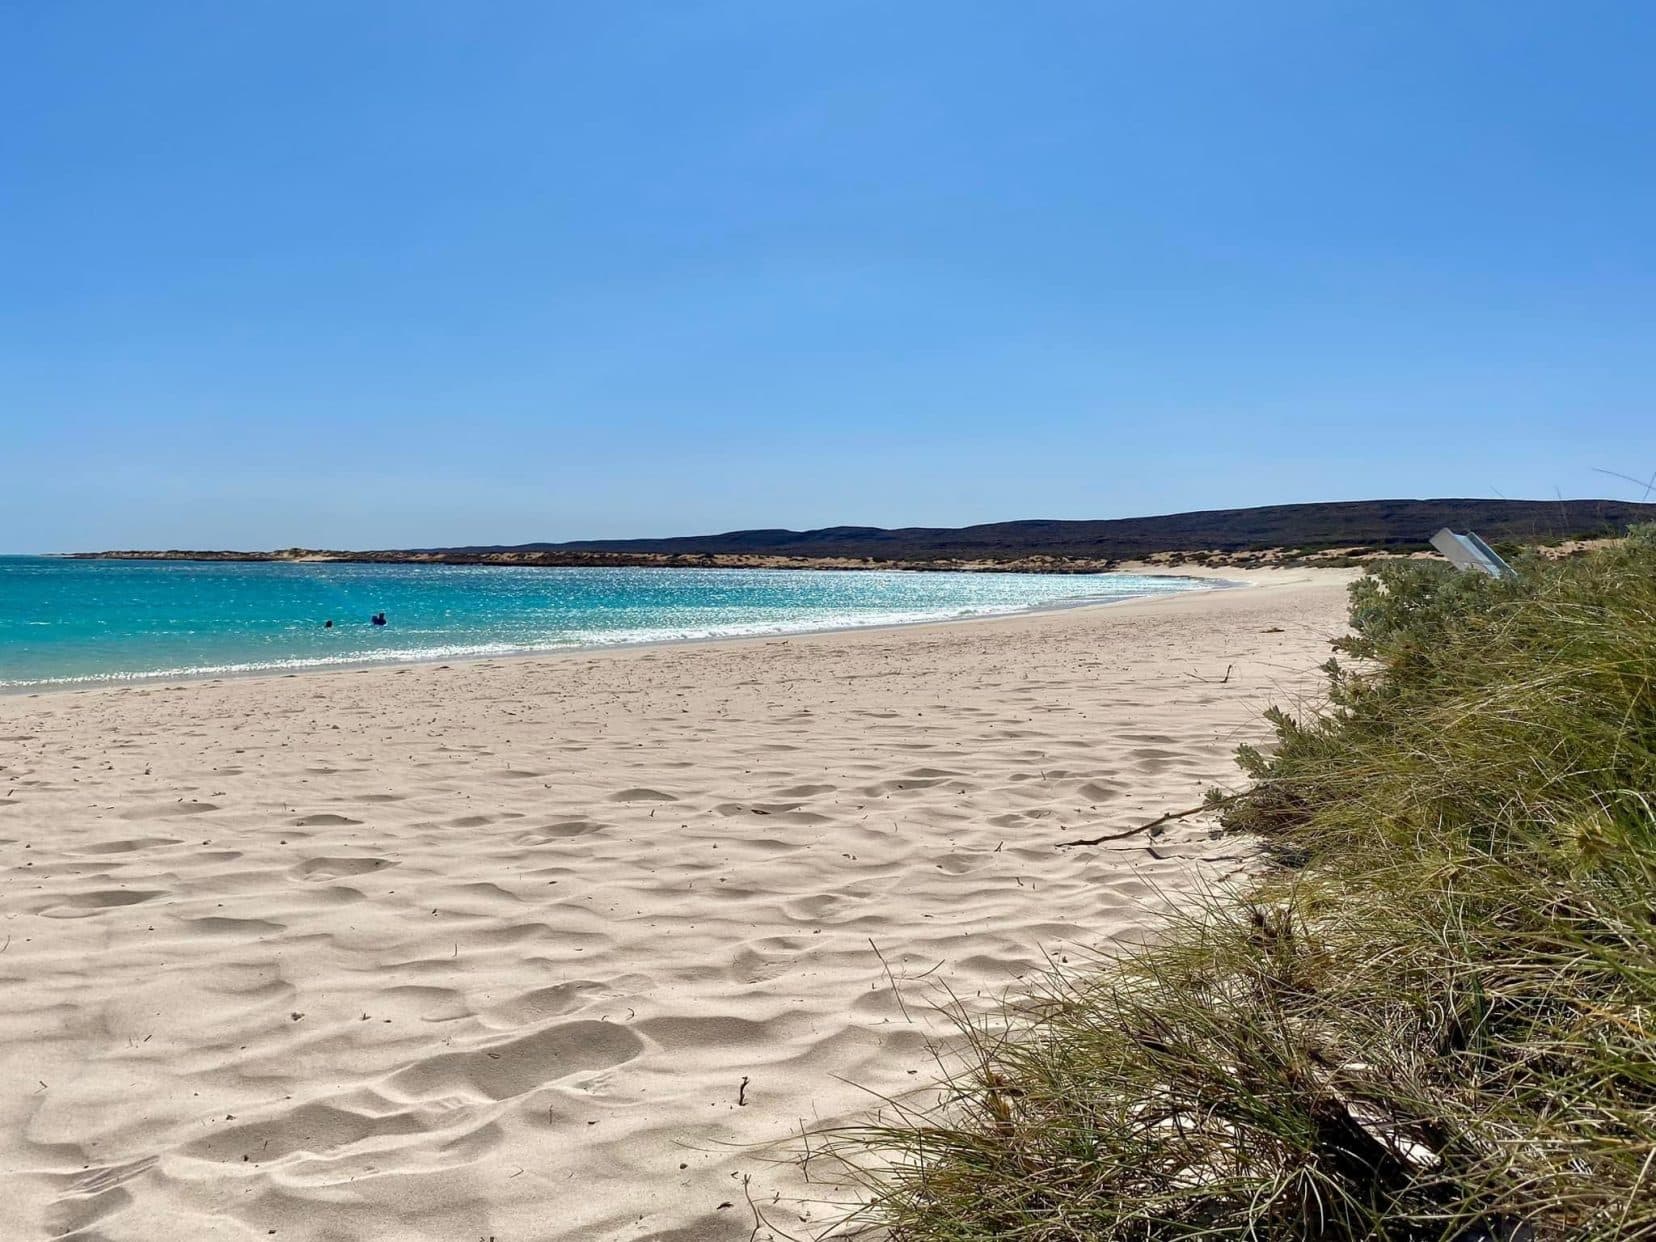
{"x":168,"y":810}
{"x":821,"y":908}
{"x":544,"y":1003}
{"x":502,"y":1071}
{"x":765,"y":959}
{"x":317,"y":869}
{"x":126,"y":847}
{"x":717,"y":1032}
{"x":85,"y":905}
{"x":217,"y":925}
{"x":1150,"y":760}
{"x":728,"y":809}
{"x":1098,"y":791}
{"x":561,"y":831}
{"x":426,"y":1003}
{"x":315,"y":1128}
{"x":905,"y":784}
{"x":805,"y":791}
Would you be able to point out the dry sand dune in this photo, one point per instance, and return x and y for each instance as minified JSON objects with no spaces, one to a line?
{"x":489,"y":951}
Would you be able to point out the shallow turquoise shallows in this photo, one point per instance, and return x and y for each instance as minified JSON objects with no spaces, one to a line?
{"x":66,"y":623}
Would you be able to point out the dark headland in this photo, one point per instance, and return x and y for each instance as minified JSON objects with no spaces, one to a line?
{"x":1267,"y":535}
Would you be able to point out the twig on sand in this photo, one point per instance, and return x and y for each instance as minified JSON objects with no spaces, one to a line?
{"x":1155,"y":823}
{"x":895,"y":990}
{"x":758,"y":1220}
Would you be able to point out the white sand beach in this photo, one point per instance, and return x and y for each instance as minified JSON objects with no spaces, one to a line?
{"x":490,"y":950}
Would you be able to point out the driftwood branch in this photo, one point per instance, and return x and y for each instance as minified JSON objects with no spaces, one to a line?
{"x":1155,"y":823}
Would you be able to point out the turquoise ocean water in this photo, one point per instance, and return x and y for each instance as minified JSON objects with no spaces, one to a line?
{"x":65,"y":623}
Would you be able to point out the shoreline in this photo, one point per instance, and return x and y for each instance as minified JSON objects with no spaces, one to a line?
{"x":1035,"y":563}
{"x":1220,"y":580}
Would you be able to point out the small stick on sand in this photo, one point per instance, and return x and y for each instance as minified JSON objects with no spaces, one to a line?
{"x":1155,"y":823}
{"x":758,"y":1220}
{"x":895,"y":990}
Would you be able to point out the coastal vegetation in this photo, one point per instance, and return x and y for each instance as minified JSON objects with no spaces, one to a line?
{"x":1432,"y":1017}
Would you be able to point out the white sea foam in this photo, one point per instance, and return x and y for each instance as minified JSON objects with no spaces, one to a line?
{"x":593,"y":639}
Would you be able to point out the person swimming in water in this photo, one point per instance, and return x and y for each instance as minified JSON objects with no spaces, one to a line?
{"x":378,"y":618}
{"x":328,"y":624}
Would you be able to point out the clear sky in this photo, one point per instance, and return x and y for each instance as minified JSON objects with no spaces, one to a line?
{"x":364,"y":274}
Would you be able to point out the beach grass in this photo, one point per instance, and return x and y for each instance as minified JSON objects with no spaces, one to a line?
{"x":1433,"y":1017}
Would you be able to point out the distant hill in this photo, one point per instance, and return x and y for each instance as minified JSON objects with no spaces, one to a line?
{"x":1394,"y":525}
{"x":1217,"y":536}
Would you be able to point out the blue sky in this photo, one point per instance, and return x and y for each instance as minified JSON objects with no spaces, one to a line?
{"x":392,"y":274}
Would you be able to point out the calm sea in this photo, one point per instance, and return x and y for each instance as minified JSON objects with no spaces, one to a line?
{"x":67,"y":623}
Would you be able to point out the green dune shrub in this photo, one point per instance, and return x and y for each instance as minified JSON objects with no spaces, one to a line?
{"x":1434,"y":1019}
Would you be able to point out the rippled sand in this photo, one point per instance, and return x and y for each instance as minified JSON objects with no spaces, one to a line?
{"x":489,"y":950}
